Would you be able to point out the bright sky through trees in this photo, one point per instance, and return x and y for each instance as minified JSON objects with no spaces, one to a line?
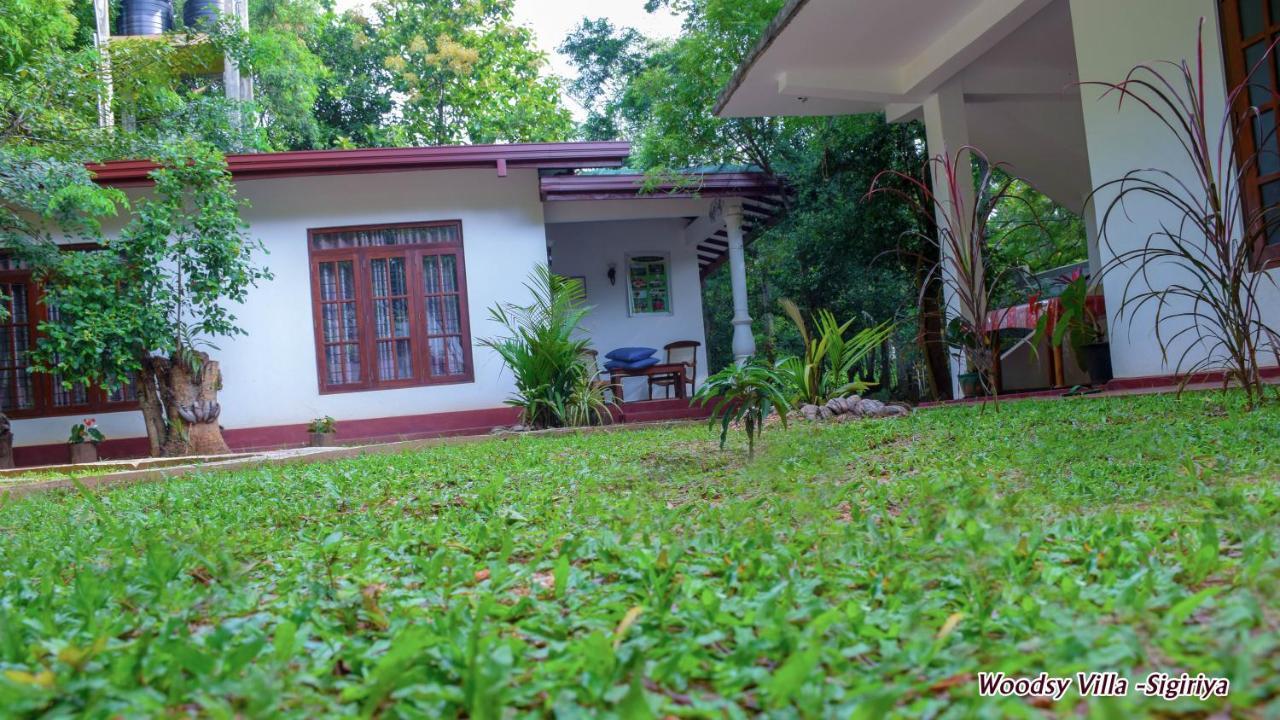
{"x":551,"y":21}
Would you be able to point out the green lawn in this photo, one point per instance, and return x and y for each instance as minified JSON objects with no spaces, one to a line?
{"x":852,"y":570}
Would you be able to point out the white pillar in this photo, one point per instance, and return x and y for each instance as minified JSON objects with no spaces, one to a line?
{"x":744,"y":342}
{"x":946,"y":132}
{"x":101,"y":39}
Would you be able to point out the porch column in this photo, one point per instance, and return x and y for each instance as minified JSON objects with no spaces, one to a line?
{"x":744,"y":342}
{"x":946,"y":131}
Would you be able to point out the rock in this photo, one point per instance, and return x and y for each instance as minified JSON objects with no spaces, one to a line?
{"x":896,"y":410}
{"x":810,"y":412}
{"x":838,"y":406}
{"x":825,"y":413}
{"x":869,"y":408}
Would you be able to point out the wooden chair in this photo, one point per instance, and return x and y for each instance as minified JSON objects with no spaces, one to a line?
{"x":600,"y":378}
{"x":684,"y":352}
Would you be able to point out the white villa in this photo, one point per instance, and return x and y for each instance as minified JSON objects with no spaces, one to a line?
{"x":448,"y":232}
{"x":1002,"y":76}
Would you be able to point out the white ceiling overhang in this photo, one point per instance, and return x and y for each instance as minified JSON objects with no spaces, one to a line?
{"x":824,"y":57}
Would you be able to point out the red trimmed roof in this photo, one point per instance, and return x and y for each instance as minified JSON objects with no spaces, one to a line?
{"x":571,"y":155}
{"x":625,"y":186}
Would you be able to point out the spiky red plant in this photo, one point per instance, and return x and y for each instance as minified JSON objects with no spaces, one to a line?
{"x":1198,"y":263}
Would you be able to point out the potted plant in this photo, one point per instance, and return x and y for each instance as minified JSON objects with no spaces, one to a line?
{"x":323,"y":431}
{"x":1084,"y":329}
{"x":960,"y":336}
{"x":84,"y":441}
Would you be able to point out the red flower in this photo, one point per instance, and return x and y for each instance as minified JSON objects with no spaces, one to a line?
{"x":89,"y":422}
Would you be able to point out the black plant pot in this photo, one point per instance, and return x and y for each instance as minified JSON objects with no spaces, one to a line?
{"x":969,"y":385}
{"x":1097,"y":361}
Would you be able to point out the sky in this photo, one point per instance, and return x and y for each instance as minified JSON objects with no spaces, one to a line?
{"x":551,"y":21}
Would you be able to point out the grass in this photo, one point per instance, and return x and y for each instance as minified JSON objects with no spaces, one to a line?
{"x":852,"y":570}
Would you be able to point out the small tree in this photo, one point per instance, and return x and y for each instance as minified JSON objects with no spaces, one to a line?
{"x":147,"y":303}
{"x":964,"y":234}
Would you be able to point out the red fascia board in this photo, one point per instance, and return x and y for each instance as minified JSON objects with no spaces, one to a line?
{"x":331,"y":162}
{"x":623,"y":187}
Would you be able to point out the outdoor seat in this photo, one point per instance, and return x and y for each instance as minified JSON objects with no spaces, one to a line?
{"x":684,"y":352}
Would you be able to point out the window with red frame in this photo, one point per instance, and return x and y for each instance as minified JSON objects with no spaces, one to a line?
{"x":1249,"y":27}
{"x":26,"y":394}
{"x":390,"y":306}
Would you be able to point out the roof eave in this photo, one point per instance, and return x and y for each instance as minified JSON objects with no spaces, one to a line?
{"x":372,"y":160}
{"x":771,"y":33}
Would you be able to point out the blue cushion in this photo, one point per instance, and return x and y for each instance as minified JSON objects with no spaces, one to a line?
{"x":630,"y":354}
{"x":637,"y":365}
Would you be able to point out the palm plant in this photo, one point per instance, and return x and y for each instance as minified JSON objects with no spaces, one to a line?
{"x":745,"y":393}
{"x":1208,"y":239}
{"x":825,"y":371}
{"x":545,"y":352}
{"x":964,"y":231}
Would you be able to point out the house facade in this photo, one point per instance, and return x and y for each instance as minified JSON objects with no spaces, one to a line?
{"x":1011,"y":77}
{"x":386,"y":263}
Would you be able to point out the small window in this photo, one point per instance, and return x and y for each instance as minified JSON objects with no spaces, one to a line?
{"x":1249,"y":27}
{"x":390,"y":306}
{"x":649,"y":284}
{"x":25,"y":393}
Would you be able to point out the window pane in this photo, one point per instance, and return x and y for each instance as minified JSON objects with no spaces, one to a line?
{"x":1264,"y":132}
{"x":337,"y":281}
{"x":1251,"y":20}
{"x":379,"y":268}
{"x":457,"y":364}
{"x":449,"y":268}
{"x":1271,"y":203}
{"x":1260,"y":80}
{"x":353,"y":363}
{"x":431,"y":274}
{"x":385,"y":237}
{"x":397,"y":276}
{"x":451,"y":314}
{"x":435,"y":323}
{"x":439,"y":360}
{"x":63,"y":396}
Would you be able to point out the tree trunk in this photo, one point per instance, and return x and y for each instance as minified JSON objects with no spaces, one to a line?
{"x":180,"y":406}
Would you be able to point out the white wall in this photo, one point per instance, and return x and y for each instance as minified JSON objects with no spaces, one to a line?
{"x":270,"y":375}
{"x":1111,"y":38}
{"x":586,"y":249}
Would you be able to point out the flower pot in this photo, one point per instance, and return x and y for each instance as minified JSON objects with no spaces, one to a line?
{"x":83,"y":452}
{"x":969,"y":385}
{"x":1097,"y":361}
{"x":319,"y":439}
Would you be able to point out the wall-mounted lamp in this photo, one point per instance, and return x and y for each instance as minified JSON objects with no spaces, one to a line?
{"x":613,"y":273}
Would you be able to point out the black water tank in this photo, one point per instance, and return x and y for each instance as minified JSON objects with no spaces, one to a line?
{"x":200,"y":12}
{"x":146,"y":17}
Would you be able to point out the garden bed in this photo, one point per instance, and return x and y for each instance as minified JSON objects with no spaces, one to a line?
{"x":851,"y":569}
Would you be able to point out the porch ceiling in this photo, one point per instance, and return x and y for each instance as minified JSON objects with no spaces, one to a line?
{"x":626,"y":196}
{"x":1014,"y":59}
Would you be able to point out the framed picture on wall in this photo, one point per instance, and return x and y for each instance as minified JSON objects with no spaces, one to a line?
{"x":582,"y":279}
{"x":649,"y":284}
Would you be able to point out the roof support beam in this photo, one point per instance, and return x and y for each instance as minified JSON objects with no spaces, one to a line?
{"x":947,"y":132}
{"x":966,"y":41}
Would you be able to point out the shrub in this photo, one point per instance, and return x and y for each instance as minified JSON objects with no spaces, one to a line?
{"x":745,"y":393}
{"x":1209,"y":233}
{"x":554,"y":384}
{"x":826,"y":369}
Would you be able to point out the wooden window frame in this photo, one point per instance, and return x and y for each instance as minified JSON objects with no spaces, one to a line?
{"x":42,"y":389}
{"x":1233,"y":49}
{"x":365,"y":332}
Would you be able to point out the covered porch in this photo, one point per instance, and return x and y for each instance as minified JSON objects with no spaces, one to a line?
{"x":641,"y":249}
{"x":1004,"y":76}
